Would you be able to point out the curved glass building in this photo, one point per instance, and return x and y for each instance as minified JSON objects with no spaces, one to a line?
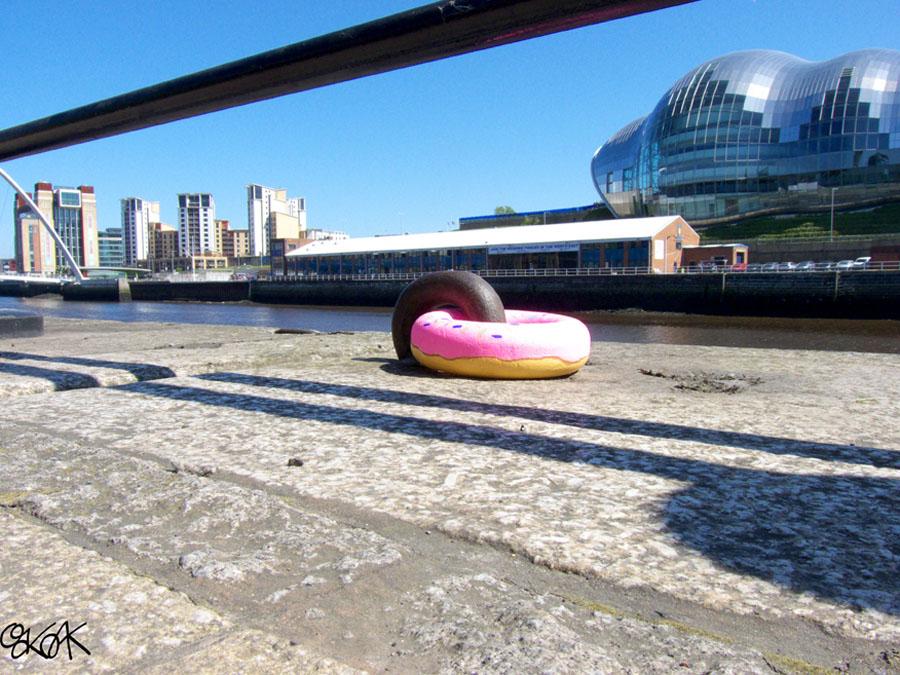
{"x":760,"y":132}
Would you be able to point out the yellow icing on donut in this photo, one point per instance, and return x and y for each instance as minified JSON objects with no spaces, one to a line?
{"x":492,"y":367}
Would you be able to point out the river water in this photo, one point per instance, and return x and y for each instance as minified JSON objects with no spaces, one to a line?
{"x":629,"y":326}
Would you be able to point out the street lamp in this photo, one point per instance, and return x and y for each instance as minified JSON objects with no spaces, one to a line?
{"x":831,"y":238}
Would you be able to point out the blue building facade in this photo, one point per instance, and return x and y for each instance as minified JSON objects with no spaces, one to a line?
{"x":760,"y":132}
{"x":112,"y":247}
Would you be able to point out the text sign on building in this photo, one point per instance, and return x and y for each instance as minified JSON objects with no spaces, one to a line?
{"x":532,"y":248}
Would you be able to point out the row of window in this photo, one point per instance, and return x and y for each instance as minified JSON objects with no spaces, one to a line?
{"x":710,"y":136}
{"x":848,"y":155}
{"x":68,"y":224}
{"x":703,"y":152}
{"x":850,"y":177}
{"x":194,"y":201}
{"x":708,"y":117}
{"x":839,"y":119}
{"x":614,"y":254}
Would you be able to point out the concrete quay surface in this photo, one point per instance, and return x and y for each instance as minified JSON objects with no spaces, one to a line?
{"x":228,"y":499}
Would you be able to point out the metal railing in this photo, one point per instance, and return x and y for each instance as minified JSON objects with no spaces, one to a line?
{"x":411,"y":276}
{"x":792,"y":268}
{"x":199,"y":275}
{"x":434,"y":31}
{"x":50,"y":276}
{"x":755,"y":268}
{"x":567,"y":272}
{"x":42,"y":278}
{"x":596,"y":272}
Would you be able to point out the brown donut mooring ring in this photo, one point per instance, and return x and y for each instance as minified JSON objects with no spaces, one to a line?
{"x":469,"y":292}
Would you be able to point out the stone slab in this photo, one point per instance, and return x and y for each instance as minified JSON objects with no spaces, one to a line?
{"x":122,"y":620}
{"x":16,"y":323}
{"x":739,"y":493}
{"x":82,"y":355}
{"x":280,"y":574}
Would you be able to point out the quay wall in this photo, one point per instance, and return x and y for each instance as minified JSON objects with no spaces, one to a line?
{"x":814,"y":294}
{"x":27,"y":288}
{"x":338,"y":293}
{"x":196,"y":291}
{"x":802,"y":294}
{"x":98,"y":290}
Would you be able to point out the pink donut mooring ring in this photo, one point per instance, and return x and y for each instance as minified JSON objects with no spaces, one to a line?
{"x":529,"y":345}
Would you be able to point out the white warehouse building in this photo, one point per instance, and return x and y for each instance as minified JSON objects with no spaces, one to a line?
{"x":653,"y":244}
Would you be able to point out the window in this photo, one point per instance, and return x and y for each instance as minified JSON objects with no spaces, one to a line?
{"x":70,"y":198}
{"x":615,"y":254}
{"x":590,"y":255}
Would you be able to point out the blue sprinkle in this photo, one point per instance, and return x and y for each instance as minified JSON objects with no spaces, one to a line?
{"x":426,"y":324}
{"x":457,"y":325}
{"x":496,"y":336}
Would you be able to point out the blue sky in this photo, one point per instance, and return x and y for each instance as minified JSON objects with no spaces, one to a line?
{"x":407,"y":151}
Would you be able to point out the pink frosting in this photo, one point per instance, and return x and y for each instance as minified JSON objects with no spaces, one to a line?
{"x":525,"y":335}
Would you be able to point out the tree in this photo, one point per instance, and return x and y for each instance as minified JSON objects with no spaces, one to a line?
{"x":504,"y":211}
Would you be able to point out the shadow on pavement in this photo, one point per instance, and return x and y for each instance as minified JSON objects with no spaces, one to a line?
{"x":837,"y":537}
{"x":772,"y":444}
{"x":141,"y":371}
{"x":62,"y":380}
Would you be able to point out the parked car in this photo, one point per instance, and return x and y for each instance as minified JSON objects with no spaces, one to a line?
{"x":825,"y":265}
{"x":786,"y":267}
{"x":753,"y":267}
{"x":844,"y":265}
{"x":806,"y":266}
{"x":862,"y":262}
{"x":770,"y":267}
